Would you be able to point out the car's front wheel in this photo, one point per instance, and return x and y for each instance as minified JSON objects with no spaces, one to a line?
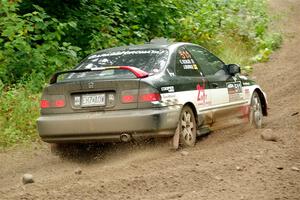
{"x":255,"y":111}
{"x":187,"y":127}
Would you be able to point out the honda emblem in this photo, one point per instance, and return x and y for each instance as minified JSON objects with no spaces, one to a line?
{"x":91,"y":85}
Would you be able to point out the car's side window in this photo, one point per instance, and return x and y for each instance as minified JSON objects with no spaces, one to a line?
{"x":185,"y":64}
{"x":209,"y":63}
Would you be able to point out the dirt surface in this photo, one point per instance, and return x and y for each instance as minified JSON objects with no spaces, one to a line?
{"x":234,"y":163}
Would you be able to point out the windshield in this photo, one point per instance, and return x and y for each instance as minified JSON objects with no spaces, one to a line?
{"x":149,"y":60}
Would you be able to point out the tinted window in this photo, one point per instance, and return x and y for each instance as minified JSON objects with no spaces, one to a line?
{"x":185,"y":64}
{"x":209,"y":63}
{"x":149,"y":60}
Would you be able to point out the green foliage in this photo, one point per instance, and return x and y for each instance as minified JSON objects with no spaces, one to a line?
{"x":103,"y":24}
{"x":19,"y":109}
{"x":32,"y":43}
{"x":267,"y":44}
{"x":38,"y":38}
{"x":46,"y":36}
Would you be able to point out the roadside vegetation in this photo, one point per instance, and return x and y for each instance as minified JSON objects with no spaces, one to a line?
{"x":38,"y":38}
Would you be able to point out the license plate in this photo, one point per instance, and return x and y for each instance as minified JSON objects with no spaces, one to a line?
{"x":93,"y":100}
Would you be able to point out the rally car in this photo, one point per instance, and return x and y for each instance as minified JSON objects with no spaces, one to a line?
{"x":147,"y":91}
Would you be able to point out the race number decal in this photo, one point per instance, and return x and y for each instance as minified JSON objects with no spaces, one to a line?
{"x":186,"y":60}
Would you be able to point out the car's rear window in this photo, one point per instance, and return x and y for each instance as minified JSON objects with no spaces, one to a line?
{"x":149,"y":60}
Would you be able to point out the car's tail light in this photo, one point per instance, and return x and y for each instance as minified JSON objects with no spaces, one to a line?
{"x":44,"y":103}
{"x":128,"y":99}
{"x":59,"y":103}
{"x":129,"y":96}
{"x":53,"y":101}
{"x":141,"y":96}
{"x":149,"y":97}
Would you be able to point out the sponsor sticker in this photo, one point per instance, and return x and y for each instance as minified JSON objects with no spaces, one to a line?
{"x":169,"y":99}
{"x":234,"y":90}
{"x":246,"y":83}
{"x":118,"y":53}
{"x":243,"y":77}
{"x":111,"y":97}
{"x":194,"y":66}
{"x":234,"y":87}
{"x":167,"y":89}
{"x":77,"y":101}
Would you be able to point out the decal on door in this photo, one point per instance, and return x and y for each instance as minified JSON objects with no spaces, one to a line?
{"x":234,"y":91}
{"x":201,"y":95}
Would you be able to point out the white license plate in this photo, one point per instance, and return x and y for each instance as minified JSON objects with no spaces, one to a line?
{"x":93,"y":100}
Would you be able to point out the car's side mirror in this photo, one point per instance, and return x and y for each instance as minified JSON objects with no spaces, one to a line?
{"x":233,"y":69}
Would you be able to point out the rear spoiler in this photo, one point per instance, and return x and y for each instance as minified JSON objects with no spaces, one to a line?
{"x":136,"y":71}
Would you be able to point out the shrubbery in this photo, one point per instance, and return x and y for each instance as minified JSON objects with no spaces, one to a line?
{"x":40,"y":37}
{"x":20,"y":108}
{"x":32,"y":43}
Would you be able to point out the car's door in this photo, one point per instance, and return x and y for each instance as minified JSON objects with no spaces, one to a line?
{"x":227,"y":98}
{"x":190,"y":84}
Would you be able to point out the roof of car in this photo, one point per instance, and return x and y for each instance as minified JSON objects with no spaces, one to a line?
{"x":142,"y":46}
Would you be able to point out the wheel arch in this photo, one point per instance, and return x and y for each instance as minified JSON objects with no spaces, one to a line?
{"x":192,"y":106}
{"x":263,"y":101}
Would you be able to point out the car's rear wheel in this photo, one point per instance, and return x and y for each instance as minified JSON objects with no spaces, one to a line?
{"x":255,"y":114}
{"x":187,"y":127}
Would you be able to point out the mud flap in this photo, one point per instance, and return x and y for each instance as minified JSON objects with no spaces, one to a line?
{"x":175,"y":139}
{"x":54,"y":149}
{"x":250,"y":116}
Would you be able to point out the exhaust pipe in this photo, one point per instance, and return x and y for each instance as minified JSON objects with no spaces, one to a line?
{"x":125,"y":137}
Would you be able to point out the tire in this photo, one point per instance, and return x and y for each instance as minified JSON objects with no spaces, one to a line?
{"x":255,"y":114}
{"x":187,"y":127}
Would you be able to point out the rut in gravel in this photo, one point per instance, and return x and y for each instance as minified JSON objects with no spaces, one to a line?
{"x":233,"y":163}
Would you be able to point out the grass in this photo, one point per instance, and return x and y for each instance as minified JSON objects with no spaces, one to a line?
{"x":1,"y":124}
{"x":21,"y":108}
{"x":235,"y":51}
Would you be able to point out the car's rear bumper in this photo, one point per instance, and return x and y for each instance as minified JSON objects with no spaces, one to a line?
{"x":108,"y":125}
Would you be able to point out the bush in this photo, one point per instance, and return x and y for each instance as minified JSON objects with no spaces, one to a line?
{"x":19,"y":109}
{"x":32,"y":43}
